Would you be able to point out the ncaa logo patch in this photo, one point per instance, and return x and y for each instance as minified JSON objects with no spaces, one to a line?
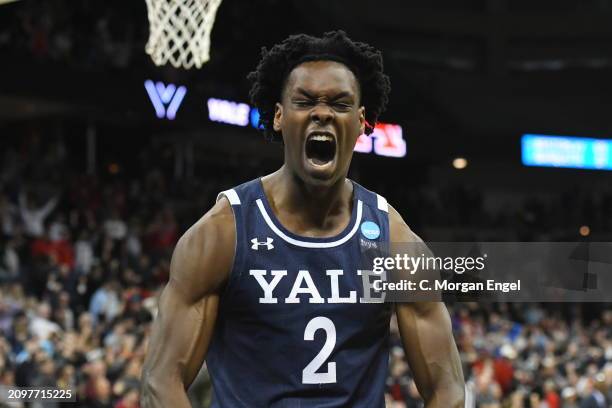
{"x":370,"y":230}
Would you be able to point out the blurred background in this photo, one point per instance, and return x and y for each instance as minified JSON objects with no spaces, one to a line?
{"x":107,"y":159}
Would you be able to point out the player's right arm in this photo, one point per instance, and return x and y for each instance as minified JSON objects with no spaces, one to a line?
{"x":187,"y":309}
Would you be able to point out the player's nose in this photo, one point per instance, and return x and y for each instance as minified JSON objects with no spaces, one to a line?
{"x":321,"y":114}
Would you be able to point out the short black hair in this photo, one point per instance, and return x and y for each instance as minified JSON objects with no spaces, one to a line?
{"x":365,"y":61}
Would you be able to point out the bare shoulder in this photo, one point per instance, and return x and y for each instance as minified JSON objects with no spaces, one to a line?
{"x":204,"y":255}
{"x":399,"y":230}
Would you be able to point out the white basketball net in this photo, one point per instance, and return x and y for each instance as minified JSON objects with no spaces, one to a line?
{"x":180,"y":31}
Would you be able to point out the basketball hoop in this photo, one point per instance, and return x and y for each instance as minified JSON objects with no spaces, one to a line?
{"x":180,"y":31}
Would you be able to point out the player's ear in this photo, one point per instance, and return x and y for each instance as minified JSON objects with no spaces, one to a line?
{"x":278,"y":115}
{"x":362,"y":120}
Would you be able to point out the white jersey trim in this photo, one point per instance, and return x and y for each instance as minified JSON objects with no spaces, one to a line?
{"x":382,"y":203}
{"x":231,"y":195}
{"x":308,"y":244}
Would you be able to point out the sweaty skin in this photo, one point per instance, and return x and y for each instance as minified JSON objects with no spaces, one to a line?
{"x":309,"y":200}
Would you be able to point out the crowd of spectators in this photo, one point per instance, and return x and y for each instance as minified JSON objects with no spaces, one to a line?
{"x":459,"y":212}
{"x":80,"y":267}
{"x":84,"y":256}
{"x":522,"y":355}
{"x":85,"y":33}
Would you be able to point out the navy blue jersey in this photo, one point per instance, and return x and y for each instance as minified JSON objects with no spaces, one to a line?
{"x":295,"y":327}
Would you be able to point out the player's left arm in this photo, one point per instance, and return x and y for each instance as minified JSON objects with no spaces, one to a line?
{"x":425,"y":329}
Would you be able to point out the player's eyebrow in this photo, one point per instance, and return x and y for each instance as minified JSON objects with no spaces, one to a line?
{"x":305,"y":93}
{"x":339,"y":95}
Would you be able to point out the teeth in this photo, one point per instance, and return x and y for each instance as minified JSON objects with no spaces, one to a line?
{"x":322,"y":138}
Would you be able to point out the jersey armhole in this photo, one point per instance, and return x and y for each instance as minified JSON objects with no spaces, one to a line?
{"x":381,"y":203}
{"x":239,"y":259}
{"x":382,"y":206}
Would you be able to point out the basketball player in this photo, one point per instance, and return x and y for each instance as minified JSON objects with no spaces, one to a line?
{"x":266,"y":286}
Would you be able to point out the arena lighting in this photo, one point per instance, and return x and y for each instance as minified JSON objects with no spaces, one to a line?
{"x":113,"y":168}
{"x":232,"y":113}
{"x":566,"y":151}
{"x":389,"y":140}
{"x":254,"y":116}
{"x":166,"y":99}
{"x":460,"y":163}
{"x":385,"y":140}
{"x":364,"y":144}
{"x":584,"y":230}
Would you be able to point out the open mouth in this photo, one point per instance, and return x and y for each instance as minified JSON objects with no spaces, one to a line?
{"x":320,"y":148}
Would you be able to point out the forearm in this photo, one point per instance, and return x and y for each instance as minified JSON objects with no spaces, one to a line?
{"x":448,"y":386}
{"x":432,"y":354}
{"x":448,"y":391}
{"x":449,"y":396}
{"x":164,"y":378}
{"x":158,"y":392}
{"x":177,"y":347}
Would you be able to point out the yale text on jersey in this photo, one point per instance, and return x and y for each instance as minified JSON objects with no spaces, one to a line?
{"x":304,"y":284}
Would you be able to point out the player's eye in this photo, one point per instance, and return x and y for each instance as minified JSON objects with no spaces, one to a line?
{"x":303,"y":103}
{"x":342,"y":106}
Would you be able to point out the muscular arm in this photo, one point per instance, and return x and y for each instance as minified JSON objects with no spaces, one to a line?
{"x":427,"y":337}
{"x":187,"y":308}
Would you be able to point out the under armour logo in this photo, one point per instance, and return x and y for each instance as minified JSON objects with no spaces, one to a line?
{"x":267,"y":243}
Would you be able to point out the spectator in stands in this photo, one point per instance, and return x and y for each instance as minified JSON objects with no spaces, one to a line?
{"x":33,"y":216}
{"x":105,"y":303}
{"x":41,"y":325}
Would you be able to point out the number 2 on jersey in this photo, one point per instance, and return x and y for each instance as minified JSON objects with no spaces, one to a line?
{"x":309,"y":374}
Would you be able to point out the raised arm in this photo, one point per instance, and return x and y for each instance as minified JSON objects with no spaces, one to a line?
{"x":425,"y":329}
{"x":48,"y":207}
{"x":187,"y":309}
